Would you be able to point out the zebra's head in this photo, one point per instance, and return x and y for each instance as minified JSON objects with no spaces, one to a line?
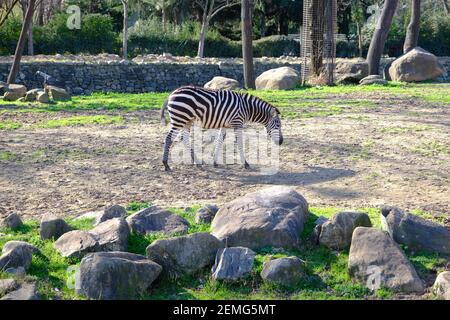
{"x":273,"y":126}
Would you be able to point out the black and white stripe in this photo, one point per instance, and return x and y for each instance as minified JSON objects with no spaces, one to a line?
{"x":216,"y":109}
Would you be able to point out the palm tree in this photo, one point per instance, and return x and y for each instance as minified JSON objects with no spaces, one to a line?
{"x":247,"y":43}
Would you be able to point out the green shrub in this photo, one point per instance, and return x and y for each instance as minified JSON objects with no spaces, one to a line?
{"x":275,"y":46}
{"x":9,"y":34}
{"x":95,"y":36}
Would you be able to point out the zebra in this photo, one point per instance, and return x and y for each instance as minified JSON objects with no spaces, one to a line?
{"x":216,"y":109}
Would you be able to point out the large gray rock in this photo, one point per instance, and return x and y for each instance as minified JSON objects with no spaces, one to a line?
{"x":14,"y":92}
{"x":15,"y":256}
{"x":76,"y":244}
{"x":377,"y":261}
{"x":11,"y":245}
{"x":416,"y":65}
{"x":57,"y":94}
{"x":52,"y":227}
{"x":218,"y":83}
{"x":112,"y":235}
{"x":282,"y":78}
{"x":185,"y":254}
{"x":233,"y":263}
{"x":283,"y":271}
{"x":441,"y":287}
{"x":337,"y":232}
{"x":12,"y":222}
{"x":115,"y":275}
{"x":358,"y":68}
{"x":155,"y":220}
{"x":206,"y":214}
{"x":26,"y":291}
{"x":114,"y":211}
{"x":269,"y":217}
{"x":415,"y":232}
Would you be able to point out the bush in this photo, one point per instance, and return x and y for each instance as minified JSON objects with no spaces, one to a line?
{"x":275,"y":46}
{"x":95,"y":36}
{"x":9,"y":34}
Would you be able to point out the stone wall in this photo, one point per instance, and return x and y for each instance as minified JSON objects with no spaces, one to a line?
{"x":124,"y":76}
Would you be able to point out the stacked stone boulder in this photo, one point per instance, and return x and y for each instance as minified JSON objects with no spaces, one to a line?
{"x":270,"y":217}
{"x":377,"y":261}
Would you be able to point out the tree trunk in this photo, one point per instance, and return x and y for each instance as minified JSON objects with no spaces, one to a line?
{"x":164,"y":19}
{"x":247,"y":43}
{"x":446,"y":6}
{"x":30,"y":40}
{"x":21,"y":43}
{"x":125,"y":30}
{"x":412,"y":32}
{"x":317,"y":10}
{"x":380,"y":35}
{"x":201,"y":42}
{"x":360,"y":39}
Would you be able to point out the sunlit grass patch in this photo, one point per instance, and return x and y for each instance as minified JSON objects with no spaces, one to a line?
{"x":10,"y":125}
{"x":81,"y":121}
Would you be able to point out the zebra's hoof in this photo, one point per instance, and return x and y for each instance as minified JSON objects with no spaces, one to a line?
{"x":166,"y":167}
{"x":215,"y":165}
{"x":246,"y":166}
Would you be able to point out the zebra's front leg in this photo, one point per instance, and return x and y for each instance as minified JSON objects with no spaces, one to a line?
{"x":170,"y":137}
{"x":240,"y":143}
{"x":186,"y":141}
{"x":218,"y":145}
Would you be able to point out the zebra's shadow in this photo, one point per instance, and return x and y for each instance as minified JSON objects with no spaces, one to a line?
{"x":311,"y":175}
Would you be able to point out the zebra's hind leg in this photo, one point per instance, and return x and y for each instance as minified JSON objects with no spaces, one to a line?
{"x":170,"y":137}
{"x":219,"y":142}
{"x":186,"y":141}
{"x":240,"y":143}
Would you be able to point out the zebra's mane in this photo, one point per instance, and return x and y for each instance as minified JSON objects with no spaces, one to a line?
{"x":240,"y":92}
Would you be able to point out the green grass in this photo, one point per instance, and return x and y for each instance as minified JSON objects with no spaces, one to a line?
{"x":301,"y":102}
{"x":325,"y":273}
{"x":7,"y":156}
{"x":431,"y":148}
{"x":81,"y":121}
{"x":9,"y":125}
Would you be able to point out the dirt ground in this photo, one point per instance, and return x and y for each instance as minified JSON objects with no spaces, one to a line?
{"x":394,"y":152}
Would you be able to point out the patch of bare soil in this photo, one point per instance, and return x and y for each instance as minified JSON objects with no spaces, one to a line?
{"x":396,"y":152}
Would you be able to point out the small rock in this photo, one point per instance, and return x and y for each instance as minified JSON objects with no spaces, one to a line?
{"x":15,"y":256}
{"x":373,"y":79}
{"x":7,"y":285}
{"x":57,"y":94}
{"x":375,"y":260}
{"x":112,"y":235}
{"x":12,"y":222}
{"x":272,"y":216}
{"x":17,"y":272}
{"x":284,"y":271}
{"x":185,"y":254}
{"x":52,"y":227}
{"x":42,"y":97}
{"x":206,"y":214}
{"x":26,"y":291}
{"x":337,"y":232}
{"x":233,"y":263}
{"x":415,"y":232}
{"x":115,"y":211}
{"x":76,"y":244}
{"x":31,"y":95}
{"x":441,"y":287}
{"x":115,"y":275}
{"x":155,"y":219}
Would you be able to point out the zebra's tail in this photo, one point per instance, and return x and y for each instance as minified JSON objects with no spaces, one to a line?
{"x":163,"y":116}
